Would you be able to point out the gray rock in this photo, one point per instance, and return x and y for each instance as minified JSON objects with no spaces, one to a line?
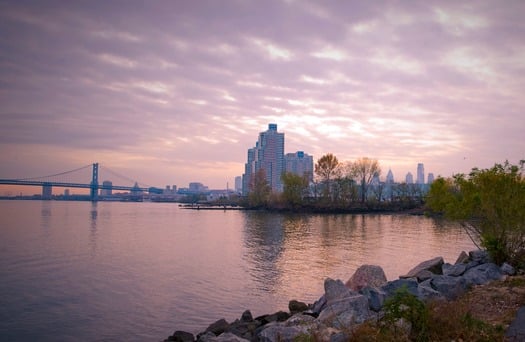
{"x":463,"y":258}
{"x":480,"y":256}
{"x":280,"y":332}
{"x":427,"y":292}
{"x":367,"y":275}
{"x":206,"y":337}
{"x":335,"y":290}
{"x":218,"y":327}
{"x":346,"y":312}
{"x":295,"y":306}
{"x":319,"y":305}
{"x":247,"y":316}
{"x":376,"y":297}
{"x":182,"y":336}
{"x":454,"y":270}
{"x":392,"y":286}
{"x":424,"y":275}
{"x":516,"y":330}
{"x":227,"y":337}
{"x":432,"y":265}
{"x":482,"y":274}
{"x":507,"y":269}
{"x":449,"y":287}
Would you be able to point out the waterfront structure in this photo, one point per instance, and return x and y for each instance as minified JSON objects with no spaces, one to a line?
{"x":409,"y":179}
{"x":107,"y":188}
{"x":420,"y":174}
{"x":267,"y":155}
{"x":300,"y":163}
{"x":238,"y":184}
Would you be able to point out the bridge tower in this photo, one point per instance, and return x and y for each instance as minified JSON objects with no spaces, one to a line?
{"x":94,"y":183}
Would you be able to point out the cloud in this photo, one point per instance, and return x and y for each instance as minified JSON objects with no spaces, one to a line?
{"x":183,"y":89}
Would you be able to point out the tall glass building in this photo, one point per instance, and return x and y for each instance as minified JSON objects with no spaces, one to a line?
{"x":267,"y":155}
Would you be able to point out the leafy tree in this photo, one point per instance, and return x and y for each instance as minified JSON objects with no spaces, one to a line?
{"x":259,"y":190}
{"x":363,"y":170}
{"x":295,"y":188}
{"x":327,"y":169}
{"x":490,"y":204}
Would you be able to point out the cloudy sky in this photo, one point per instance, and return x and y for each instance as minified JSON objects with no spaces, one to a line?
{"x":168,"y":92}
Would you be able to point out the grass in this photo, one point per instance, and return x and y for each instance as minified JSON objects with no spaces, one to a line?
{"x":483,"y":314}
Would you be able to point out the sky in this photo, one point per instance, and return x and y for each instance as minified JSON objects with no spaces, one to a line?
{"x":172,"y":92}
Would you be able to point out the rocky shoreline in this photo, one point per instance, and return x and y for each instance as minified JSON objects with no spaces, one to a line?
{"x":346,"y":305}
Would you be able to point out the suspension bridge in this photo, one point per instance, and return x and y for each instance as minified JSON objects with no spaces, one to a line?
{"x":69,"y":179}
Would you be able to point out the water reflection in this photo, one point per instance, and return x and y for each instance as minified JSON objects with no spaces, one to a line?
{"x":93,"y":214}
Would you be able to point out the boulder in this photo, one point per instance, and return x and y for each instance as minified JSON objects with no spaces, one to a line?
{"x":346,"y":312}
{"x":463,"y":258}
{"x":482,"y":274}
{"x":480,"y":256}
{"x":344,"y":307}
{"x":391,"y":287}
{"x":432,"y":265}
{"x":279,"y":316}
{"x":449,"y":287}
{"x":454,"y":270}
{"x":507,"y":269}
{"x":375,"y":296}
{"x":367,"y":275}
{"x":218,"y":327}
{"x":295,"y":306}
{"x":246,"y":316}
{"x":319,"y":305}
{"x":426,"y":292}
{"x":424,"y":275}
{"x":335,"y":290}
{"x":181,"y":336}
{"x":225,"y":337}
{"x":516,"y":330}
{"x":280,"y":332}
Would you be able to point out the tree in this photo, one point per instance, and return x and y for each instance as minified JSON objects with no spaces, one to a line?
{"x":259,"y":189}
{"x":295,"y":187}
{"x":490,"y":204}
{"x":326,"y":169}
{"x":363,"y":170}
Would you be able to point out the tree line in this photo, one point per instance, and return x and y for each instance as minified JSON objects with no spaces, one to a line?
{"x":336,"y":186}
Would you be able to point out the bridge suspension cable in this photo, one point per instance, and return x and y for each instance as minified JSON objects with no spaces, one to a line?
{"x":114,"y":173}
{"x":56,"y":174}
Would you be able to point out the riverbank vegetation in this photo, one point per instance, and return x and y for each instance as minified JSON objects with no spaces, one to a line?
{"x":335,"y":187}
{"x":489,"y":204}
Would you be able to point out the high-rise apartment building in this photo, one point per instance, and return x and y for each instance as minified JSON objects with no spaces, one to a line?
{"x":409,"y":179}
{"x":430,"y":178}
{"x":300,"y":164}
{"x":420,"y":174}
{"x":267,"y":155}
{"x":390,"y":177}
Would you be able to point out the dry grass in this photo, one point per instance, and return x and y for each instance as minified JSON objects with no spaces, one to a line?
{"x":483,"y":314}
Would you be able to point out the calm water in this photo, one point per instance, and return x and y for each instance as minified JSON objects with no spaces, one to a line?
{"x":139,"y":271}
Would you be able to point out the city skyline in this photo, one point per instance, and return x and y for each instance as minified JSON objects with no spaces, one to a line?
{"x":175,"y":92}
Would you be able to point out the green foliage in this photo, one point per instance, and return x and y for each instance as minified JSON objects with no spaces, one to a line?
{"x":490,"y":205}
{"x":404,"y":306}
{"x":295,"y":188}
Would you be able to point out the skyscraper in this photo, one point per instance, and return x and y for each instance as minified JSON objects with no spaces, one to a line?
{"x":430,"y":178}
{"x":420,"y":174}
{"x":299,"y":163}
{"x":390,"y":177}
{"x":267,"y":155}
{"x":409,"y":179}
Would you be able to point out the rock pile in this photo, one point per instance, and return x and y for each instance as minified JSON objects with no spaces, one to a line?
{"x":344,"y":306}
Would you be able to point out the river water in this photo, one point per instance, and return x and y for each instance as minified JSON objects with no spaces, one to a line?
{"x":110,"y":271}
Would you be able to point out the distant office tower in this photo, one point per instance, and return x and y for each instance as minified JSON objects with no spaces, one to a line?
{"x":238,"y":184}
{"x":430,"y":178}
{"x":300,"y":163}
{"x":420,"y":174}
{"x":390,"y":177}
{"x":107,"y":188}
{"x":409,"y":179}
{"x":267,"y":155}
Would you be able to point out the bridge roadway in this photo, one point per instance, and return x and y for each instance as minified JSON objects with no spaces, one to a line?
{"x":72,"y":185}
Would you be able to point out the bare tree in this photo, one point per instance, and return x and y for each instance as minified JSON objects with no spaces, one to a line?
{"x":327,"y":169}
{"x":363,"y":170}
